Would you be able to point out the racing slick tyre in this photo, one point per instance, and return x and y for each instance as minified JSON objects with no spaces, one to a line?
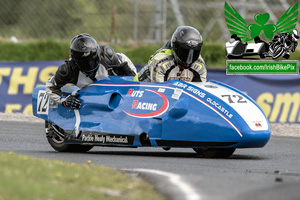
{"x":55,"y":136}
{"x":262,"y":55}
{"x":214,"y":152}
{"x":278,"y":51}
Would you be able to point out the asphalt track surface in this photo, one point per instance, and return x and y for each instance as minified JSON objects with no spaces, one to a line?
{"x":269,"y":173}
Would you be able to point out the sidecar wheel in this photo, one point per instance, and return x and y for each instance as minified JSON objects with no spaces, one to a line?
{"x":262,"y":55}
{"x":214,"y":152}
{"x":55,"y":137}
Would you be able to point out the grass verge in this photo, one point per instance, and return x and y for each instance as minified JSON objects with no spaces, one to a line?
{"x":24,"y":177}
{"x":212,"y":53}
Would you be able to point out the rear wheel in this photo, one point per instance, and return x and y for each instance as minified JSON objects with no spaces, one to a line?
{"x":214,"y":152}
{"x":56,"y":139}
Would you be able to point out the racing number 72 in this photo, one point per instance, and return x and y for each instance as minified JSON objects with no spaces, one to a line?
{"x":43,"y":100}
{"x":233,"y":98}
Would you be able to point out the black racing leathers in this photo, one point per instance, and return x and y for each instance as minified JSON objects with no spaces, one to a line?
{"x":111,"y":63}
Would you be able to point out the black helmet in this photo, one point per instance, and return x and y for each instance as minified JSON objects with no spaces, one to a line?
{"x":85,"y":52}
{"x":186,"y":43}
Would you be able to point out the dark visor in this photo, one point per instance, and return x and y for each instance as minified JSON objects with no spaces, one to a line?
{"x":187,"y":56}
{"x":87,"y":65}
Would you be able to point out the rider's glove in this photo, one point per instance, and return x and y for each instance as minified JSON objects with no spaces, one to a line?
{"x":125,"y":70}
{"x":71,"y":101}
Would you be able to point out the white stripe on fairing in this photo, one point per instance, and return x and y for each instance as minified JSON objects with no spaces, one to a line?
{"x":126,"y":85}
{"x":77,"y":115}
{"x":176,"y":180}
{"x":157,"y":86}
{"x":256,"y":114}
{"x":209,"y":106}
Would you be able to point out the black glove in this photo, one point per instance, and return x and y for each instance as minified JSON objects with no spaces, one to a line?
{"x":71,"y":101}
{"x":125,"y":70}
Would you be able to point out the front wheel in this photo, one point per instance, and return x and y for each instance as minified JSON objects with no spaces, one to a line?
{"x":55,"y":136}
{"x":214,"y":152}
{"x":278,"y":51}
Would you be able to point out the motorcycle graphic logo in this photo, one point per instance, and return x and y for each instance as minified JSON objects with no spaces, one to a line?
{"x":282,"y":36}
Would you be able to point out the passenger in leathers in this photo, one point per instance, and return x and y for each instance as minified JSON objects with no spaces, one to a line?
{"x":178,"y":59}
{"x":88,"y":62}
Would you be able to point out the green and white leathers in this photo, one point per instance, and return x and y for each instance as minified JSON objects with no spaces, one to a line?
{"x":161,"y":67}
{"x":178,"y":59}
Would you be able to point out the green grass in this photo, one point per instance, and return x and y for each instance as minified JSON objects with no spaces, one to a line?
{"x":32,"y":51}
{"x":138,"y":54}
{"x":212,"y":53}
{"x":24,"y":177}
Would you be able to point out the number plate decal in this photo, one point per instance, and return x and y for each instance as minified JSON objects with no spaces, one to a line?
{"x":42,"y":103}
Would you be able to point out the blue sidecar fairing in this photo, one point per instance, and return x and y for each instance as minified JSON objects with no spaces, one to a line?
{"x":120,"y":112}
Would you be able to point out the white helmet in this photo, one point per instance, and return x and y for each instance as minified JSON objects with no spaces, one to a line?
{"x":295,"y":34}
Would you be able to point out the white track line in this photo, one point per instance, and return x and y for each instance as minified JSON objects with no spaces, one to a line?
{"x":176,"y":180}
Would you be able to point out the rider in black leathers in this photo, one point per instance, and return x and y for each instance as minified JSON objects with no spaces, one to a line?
{"x":88,"y":62}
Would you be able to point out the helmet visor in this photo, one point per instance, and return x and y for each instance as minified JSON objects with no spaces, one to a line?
{"x":88,"y":65}
{"x":295,"y":37}
{"x":187,"y":56}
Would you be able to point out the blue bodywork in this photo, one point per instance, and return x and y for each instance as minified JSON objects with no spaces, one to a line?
{"x":118,"y":111}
